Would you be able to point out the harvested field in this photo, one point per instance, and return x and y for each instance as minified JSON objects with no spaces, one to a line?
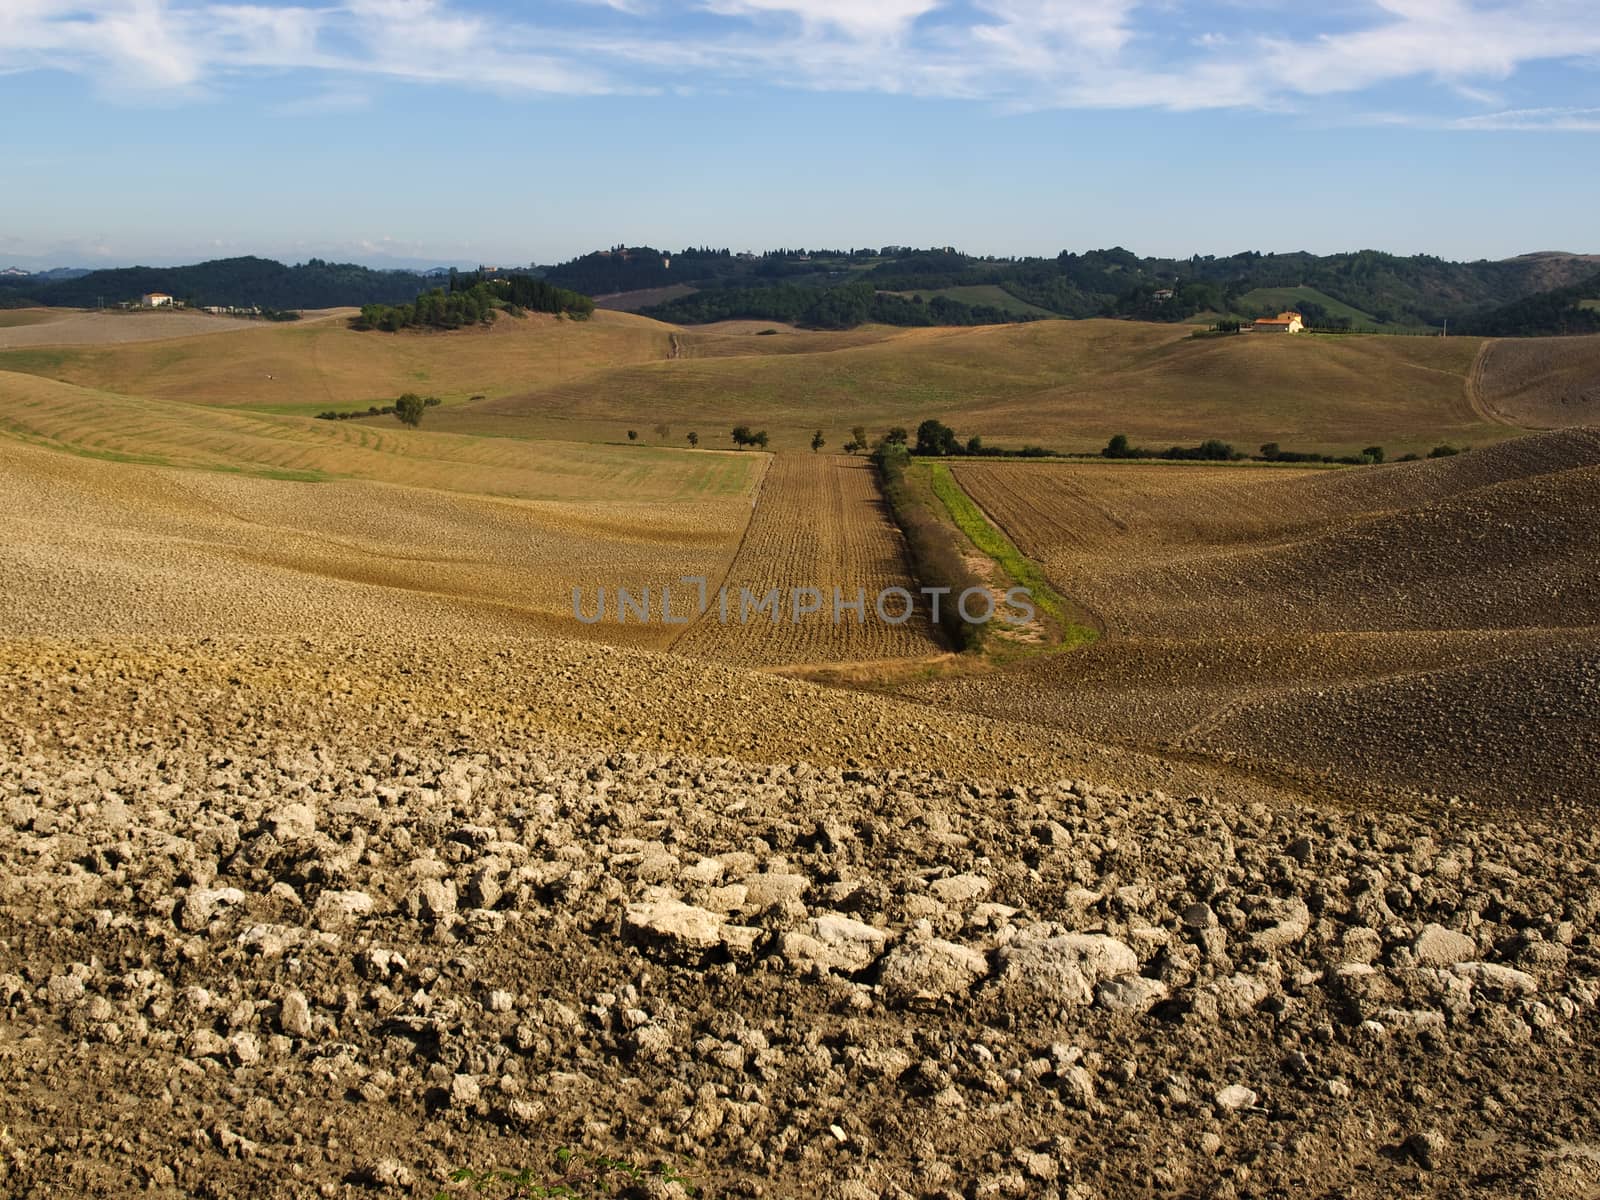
{"x":1260,"y":617}
{"x":819,"y":524}
{"x":338,"y":856}
{"x":69,"y":327}
{"x":1068,"y":385}
{"x":310,"y":366}
{"x":103,"y":425}
{"x":98,"y":548}
{"x":1540,"y":383}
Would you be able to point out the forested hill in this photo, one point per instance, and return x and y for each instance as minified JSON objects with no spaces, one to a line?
{"x":1568,"y":310}
{"x":230,"y":281}
{"x":903,"y":285}
{"x":1358,"y":289}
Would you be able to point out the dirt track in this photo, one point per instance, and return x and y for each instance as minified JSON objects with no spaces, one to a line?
{"x":1538,"y":383}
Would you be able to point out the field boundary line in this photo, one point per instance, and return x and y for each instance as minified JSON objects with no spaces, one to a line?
{"x":727,"y":572}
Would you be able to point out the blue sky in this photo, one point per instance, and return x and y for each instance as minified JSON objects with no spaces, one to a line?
{"x":485,"y":130}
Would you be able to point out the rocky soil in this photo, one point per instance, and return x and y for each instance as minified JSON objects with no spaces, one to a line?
{"x":308,"y":959}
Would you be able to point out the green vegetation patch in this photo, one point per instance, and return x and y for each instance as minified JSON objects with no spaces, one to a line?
{"x":969,"y":518}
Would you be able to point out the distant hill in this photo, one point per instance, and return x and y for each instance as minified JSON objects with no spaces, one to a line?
{"x":1560,"y":311}
{"x":229,"y":281}
{"x":1361,"y":289}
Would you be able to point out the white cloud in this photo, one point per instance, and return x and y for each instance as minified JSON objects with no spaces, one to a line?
{"x":1017,"y":53}
{"x":1580,"y":120}
{"x":859,"y":18}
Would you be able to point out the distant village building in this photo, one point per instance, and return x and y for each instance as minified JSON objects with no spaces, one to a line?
{"x":155,"y":300}
{"x":1163,"y":295}
{"x":1286,"y":322}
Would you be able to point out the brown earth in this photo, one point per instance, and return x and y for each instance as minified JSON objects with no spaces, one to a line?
{"x":284,"y":917}
{"x":332,"y":861}
{"x":818,"y":524}
{"x":1539,"y":383}
{"x":1265,"y":618}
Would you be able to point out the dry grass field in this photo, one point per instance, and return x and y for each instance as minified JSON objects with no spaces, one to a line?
{"x":1262,"y":617}
{"x":1064,"y":384}
{"x":310,"y":366}
{"x":68,"y":327}
{"x":104,"y":425}
{"x":820,"y":524}
{"x":1540,"y":383}
{"x":1068,"y":385}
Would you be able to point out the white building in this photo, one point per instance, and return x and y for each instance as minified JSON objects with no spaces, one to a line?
{"x":155,"y":300}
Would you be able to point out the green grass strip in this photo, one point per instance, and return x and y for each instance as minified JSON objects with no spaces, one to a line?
{"x":1023,"y":570}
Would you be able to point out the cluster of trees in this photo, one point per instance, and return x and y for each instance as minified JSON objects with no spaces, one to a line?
{"x":1272,"y":452}
{"x":842,"y":307}
{"x":935,"y":439}
{"x":437,"y":309}
{"x":1417,"y":291}
{"x":1211,"y":450}
{"x":408,"y":408}
{"x":473,"y":299}
{"x":936,"y":556}
{"x":744,"y":436}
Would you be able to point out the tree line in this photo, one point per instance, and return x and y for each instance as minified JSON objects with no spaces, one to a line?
{"x":842,"y":307}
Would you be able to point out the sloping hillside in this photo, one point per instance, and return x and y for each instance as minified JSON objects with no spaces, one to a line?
{"x":1541,"y":383}
{"x":1263,"y":618}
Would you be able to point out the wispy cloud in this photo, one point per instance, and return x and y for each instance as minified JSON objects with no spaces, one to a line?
{"x":1168,"y":54}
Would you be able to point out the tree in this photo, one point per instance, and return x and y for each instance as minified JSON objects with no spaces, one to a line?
{"x":1375,"y":453}
{"x":897,"y":436}
{"x":408,"y":409}
{"x":936,"y":438}
{"x":817,"y":441}
{"x":1118,"y":447}
{"x":760,"y":438}
{"x":974,"y":444}
{"x":858,"y":437}
{"x":633,"y":435}
{"x":694,"y":439}
{"x":742,"y":436}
